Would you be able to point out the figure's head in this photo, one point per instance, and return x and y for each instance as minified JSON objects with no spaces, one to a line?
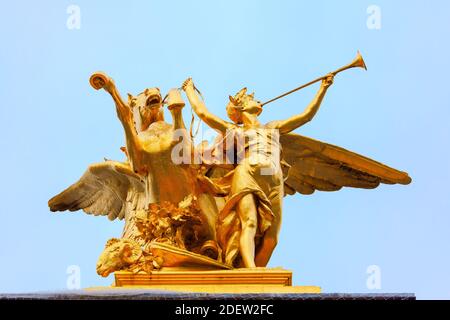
{"x":147,"y":107}
{"x":240,"y":103}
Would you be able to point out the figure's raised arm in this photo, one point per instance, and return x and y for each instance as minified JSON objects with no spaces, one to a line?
{"x":288,"y":125}
{"x":200,"y":109}
{"x":98,"y":81}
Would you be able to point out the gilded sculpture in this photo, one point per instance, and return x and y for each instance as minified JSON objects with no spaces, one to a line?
{"x":217,"y":205}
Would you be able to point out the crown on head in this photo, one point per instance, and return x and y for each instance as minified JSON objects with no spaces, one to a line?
{"x":241,"y":97}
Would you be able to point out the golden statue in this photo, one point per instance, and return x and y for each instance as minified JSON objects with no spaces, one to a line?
{"x":216,"y":206}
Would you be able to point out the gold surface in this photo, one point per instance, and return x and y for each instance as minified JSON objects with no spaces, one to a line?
{"x":174,"y":257}
{"x":253,"y":208}
{"x":197,"y":276}
{"x":255,"y":280}
{"x":209,"y":213}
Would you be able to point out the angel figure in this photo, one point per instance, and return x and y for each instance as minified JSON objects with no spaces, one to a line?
{"x":249,"y":222}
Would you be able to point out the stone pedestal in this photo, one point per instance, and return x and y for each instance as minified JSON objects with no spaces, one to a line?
{"x":257,"y":280}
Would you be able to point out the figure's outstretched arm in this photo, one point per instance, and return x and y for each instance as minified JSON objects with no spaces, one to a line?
{"x":288,"y":125}
{"x":200,"y":109}
{"x":124,"y":113}
{"x":99,"y":80}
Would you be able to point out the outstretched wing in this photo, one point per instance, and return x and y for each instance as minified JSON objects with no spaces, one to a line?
{"x":102,"y":190}
{"x":320,"y":166}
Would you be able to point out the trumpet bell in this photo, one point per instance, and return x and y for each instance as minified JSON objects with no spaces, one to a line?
{"x":359,"y":62}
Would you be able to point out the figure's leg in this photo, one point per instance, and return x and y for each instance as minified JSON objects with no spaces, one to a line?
{"x":270,"y":238}
{"x":247,"y":211}
{"x":269,"y":242}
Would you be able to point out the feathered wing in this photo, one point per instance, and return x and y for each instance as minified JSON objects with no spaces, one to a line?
{"x":102,"y":190}
{"x":320,"y":166}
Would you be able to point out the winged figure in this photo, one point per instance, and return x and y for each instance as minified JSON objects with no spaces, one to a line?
{"x":274,"y":162}
{"x":220,"y":213}
{"x":120,"y":190}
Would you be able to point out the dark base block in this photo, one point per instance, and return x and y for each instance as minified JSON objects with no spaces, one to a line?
{"x":133,"y":294}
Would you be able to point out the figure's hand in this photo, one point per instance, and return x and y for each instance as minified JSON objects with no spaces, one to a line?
{"x":187,"y":84}
{"x":328,"y":81}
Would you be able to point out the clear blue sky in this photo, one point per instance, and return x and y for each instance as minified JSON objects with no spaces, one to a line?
{"x":54,"y":125}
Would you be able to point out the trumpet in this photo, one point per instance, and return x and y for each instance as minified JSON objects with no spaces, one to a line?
{"x":358,"y":62}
